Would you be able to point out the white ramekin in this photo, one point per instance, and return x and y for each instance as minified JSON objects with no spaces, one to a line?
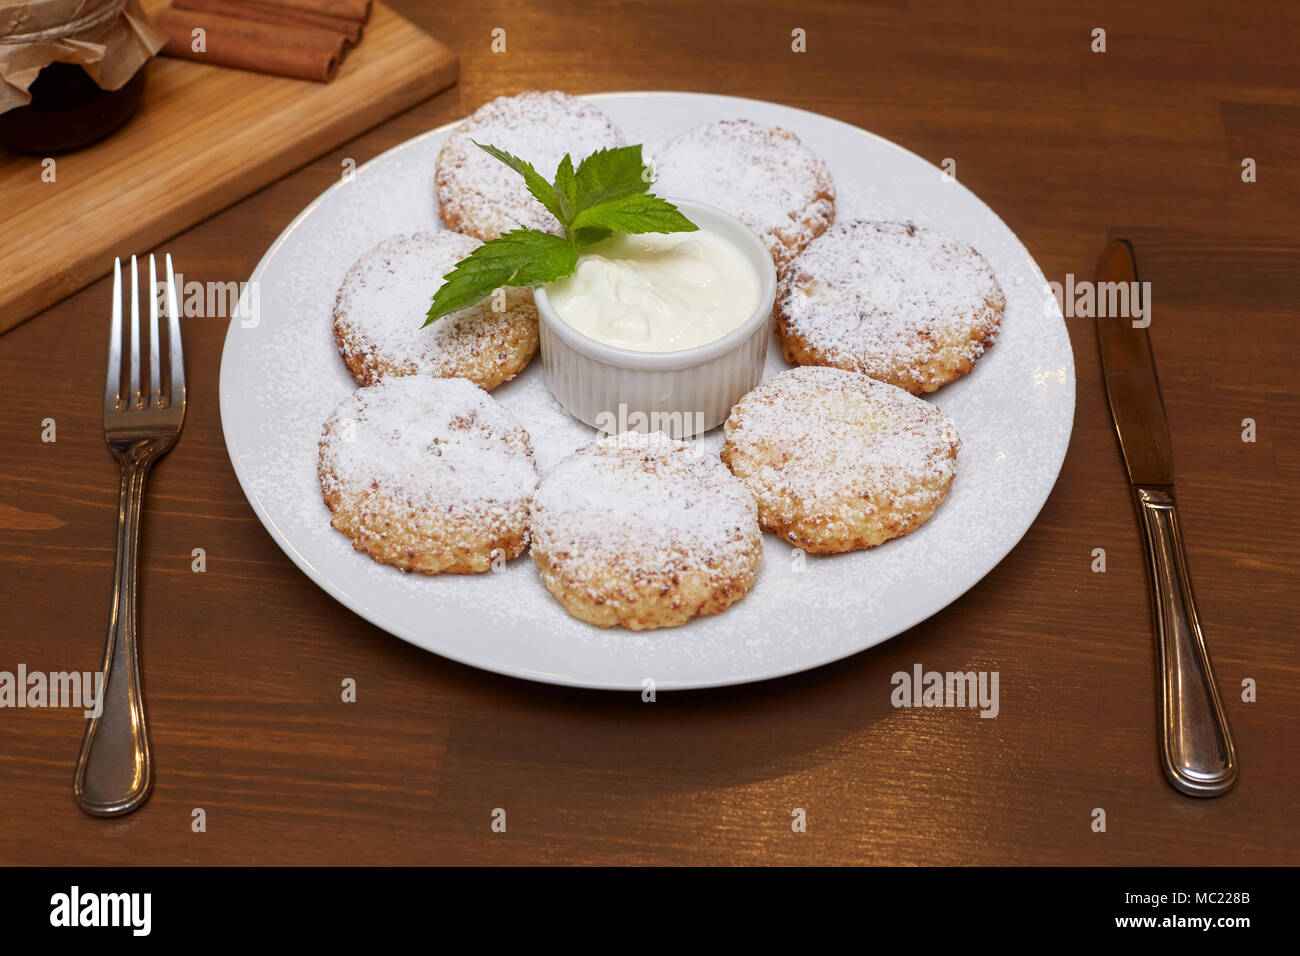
{"x":681,"y":393}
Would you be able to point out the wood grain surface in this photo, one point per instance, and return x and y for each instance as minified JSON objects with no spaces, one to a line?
{"x":243,"y":663}
{"x":205,"y":137}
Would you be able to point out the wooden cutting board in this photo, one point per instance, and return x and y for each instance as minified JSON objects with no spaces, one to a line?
{"x":205,"y":137}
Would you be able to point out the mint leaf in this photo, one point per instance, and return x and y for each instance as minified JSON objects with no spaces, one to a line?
{"x":589,"y":234}
{"x":536,"y":183}
{"x":566,"y":190}
{"x":519,"y":257}
{"x":541,"y":257}
{"x":633,"y":214}
{"x":607,"y":193}
{"x":610,"y":174}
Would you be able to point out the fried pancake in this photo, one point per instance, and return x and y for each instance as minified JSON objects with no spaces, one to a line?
{"x":480,"y":195}
{"x":838,"y":461}
{"x":762,"y":175}
{"x":644,"y":531}
{"x":891,"y":300}
{"x":381,"y":307}
{"x":428,"y":474}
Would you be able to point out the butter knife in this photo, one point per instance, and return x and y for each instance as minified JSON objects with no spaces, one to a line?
{"x":1195,"y":743}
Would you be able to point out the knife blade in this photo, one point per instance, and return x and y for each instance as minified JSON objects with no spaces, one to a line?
{"x":1129,"y":369}
{"x":1197,"y":750}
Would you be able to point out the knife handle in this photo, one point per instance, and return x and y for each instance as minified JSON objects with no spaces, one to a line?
{"x":1196,"y":744}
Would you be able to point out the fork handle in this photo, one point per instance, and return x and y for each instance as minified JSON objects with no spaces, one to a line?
{"x":114,"y":770}
{"x":1196,"y":744}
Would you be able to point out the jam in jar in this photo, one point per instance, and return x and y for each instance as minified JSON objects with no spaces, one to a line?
{"x":68,"y":111}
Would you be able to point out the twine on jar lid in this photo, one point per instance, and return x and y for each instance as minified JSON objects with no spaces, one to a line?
{"x":109,"y":39}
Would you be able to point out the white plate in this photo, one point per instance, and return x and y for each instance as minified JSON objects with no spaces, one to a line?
{"x":281,"y":378}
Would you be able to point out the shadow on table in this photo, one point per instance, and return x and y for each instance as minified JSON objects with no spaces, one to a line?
{"x":684,"y":740}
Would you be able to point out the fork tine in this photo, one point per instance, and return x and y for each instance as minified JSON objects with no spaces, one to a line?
{"x":155,"y":378}
{"x":133,"y":397}
{"x":113,"y":380}
{"x":177,"y":361}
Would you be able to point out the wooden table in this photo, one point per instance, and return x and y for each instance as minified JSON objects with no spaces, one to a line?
{"x":243,"y":663}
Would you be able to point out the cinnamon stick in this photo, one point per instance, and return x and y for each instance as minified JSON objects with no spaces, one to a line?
{"x":309,"y":53}
{"x":299,"y":38}
{"x":347,"y":9}
{"x":268,"y":11}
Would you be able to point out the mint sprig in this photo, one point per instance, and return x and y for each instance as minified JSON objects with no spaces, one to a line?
{"x":608,"y":192}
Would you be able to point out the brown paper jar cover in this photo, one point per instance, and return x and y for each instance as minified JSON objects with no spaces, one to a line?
{"x":70,"y":72}
{"x":109,"y":39}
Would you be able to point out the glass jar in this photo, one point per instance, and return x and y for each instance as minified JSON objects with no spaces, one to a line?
{"x":89,"y":58}
{"x":68,"y":111}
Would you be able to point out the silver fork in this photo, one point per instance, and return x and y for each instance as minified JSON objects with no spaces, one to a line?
{"x":114,"y":770}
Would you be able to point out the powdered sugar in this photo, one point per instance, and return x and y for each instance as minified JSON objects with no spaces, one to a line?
{"x":479,"y":194}
{"x":643,"y":506}
{"x":280,"y":381}
{"x":842,"y":448}
{"x":893,"y":300}
{"x":380,"y":310}
{"x":763,"y":176}
{"x":432,"y":444}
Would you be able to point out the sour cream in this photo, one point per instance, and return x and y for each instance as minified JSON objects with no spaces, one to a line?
{"x":658,"y":293}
